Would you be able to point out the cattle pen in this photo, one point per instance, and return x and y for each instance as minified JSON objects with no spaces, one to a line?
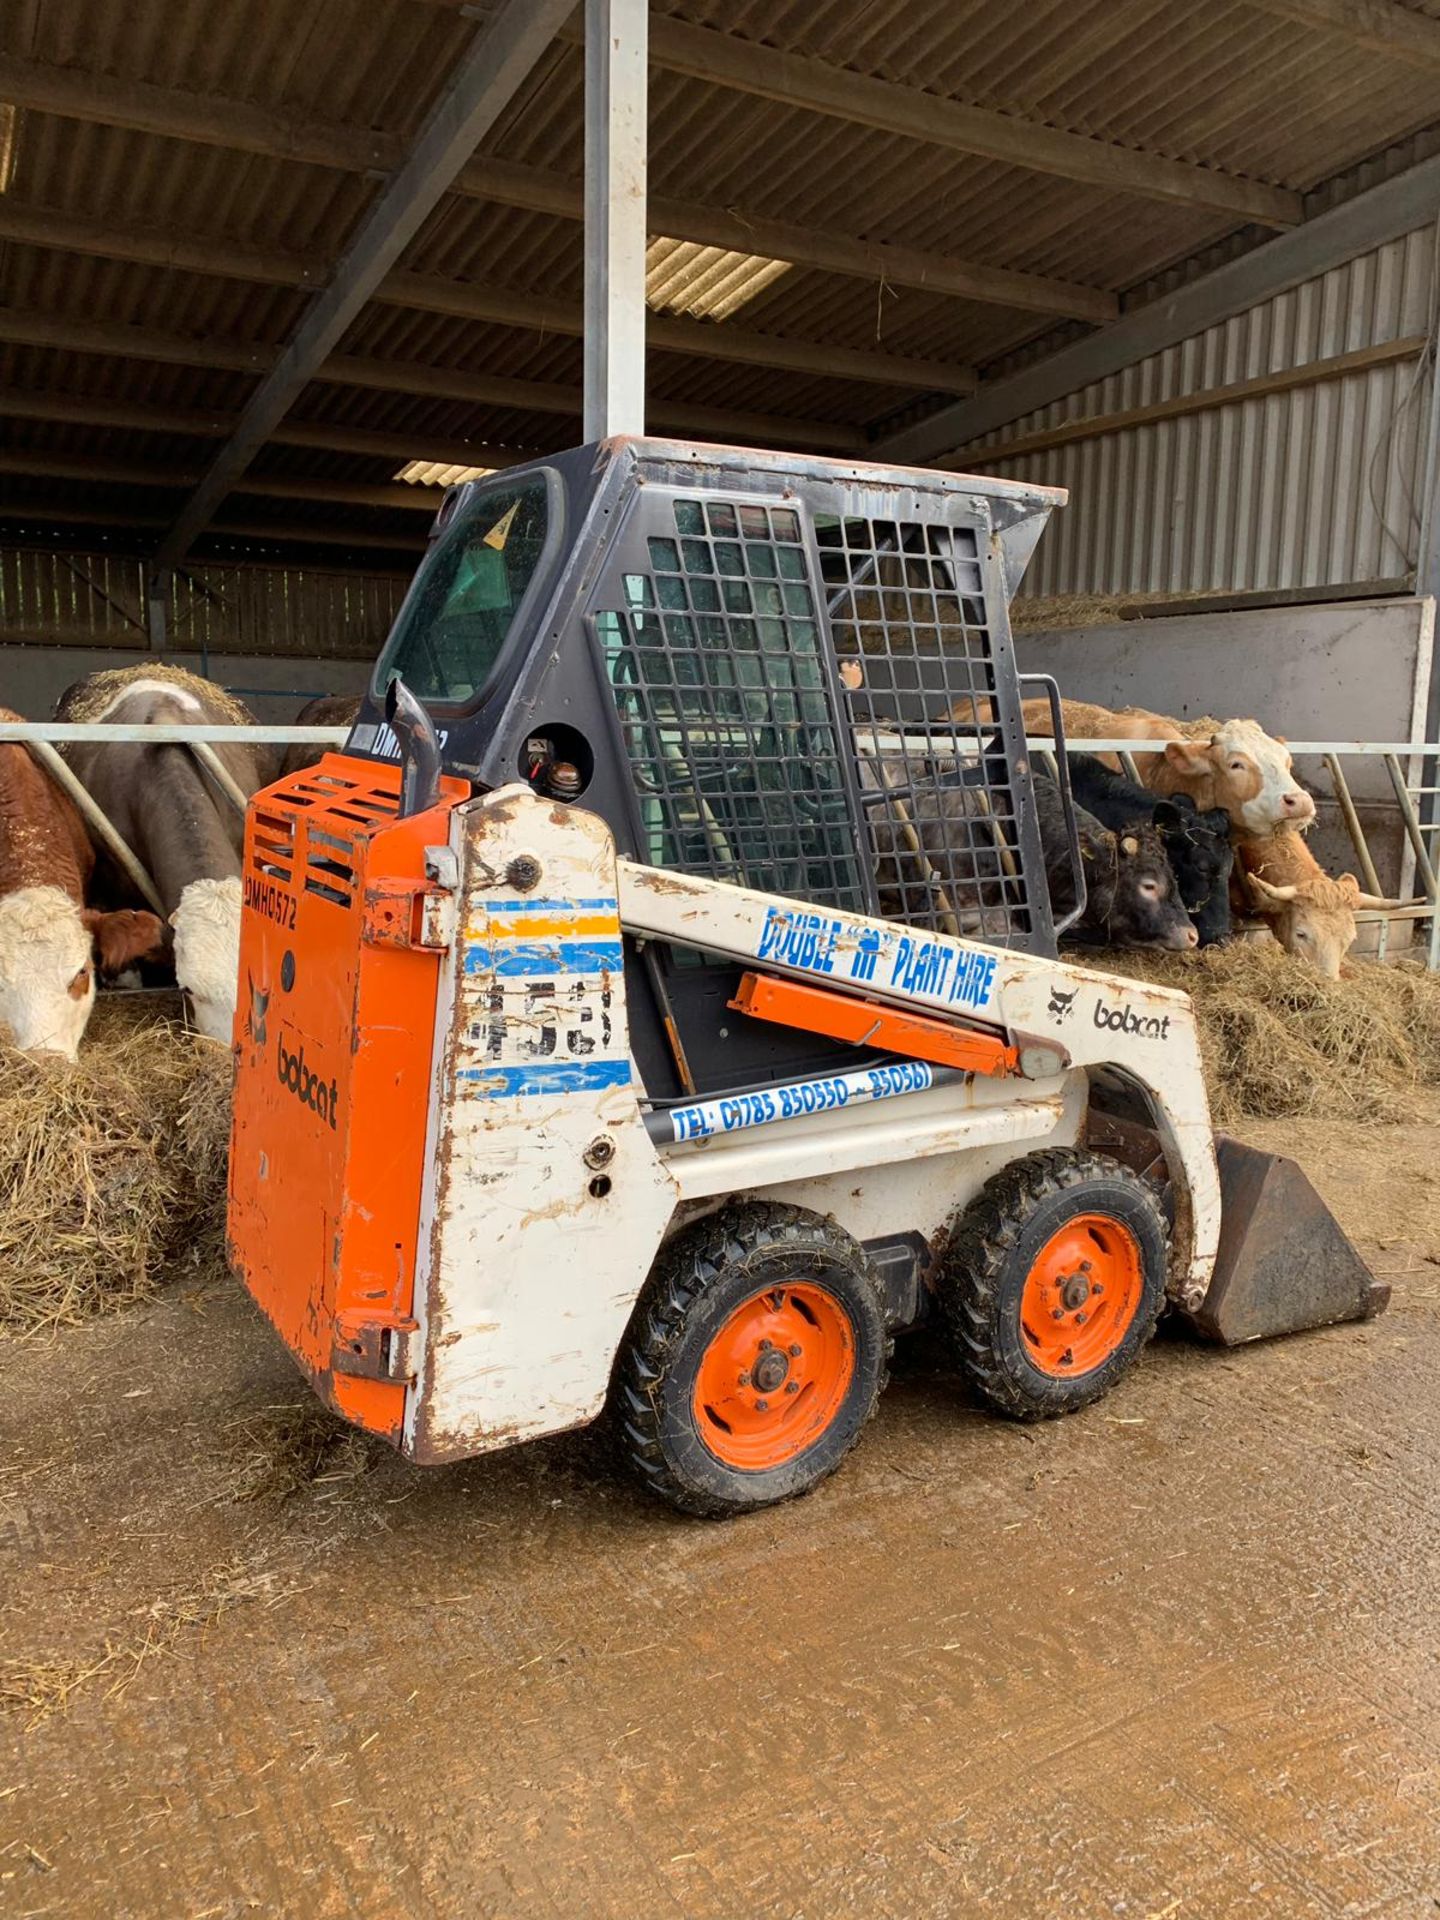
{"x":719,"y":959}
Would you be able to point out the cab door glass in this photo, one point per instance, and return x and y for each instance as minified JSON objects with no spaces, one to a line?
{"x":449,"y":638}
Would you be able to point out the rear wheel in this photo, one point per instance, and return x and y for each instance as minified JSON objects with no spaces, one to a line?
{"x":754,"y":1358}
{"x":1054,"y":1281}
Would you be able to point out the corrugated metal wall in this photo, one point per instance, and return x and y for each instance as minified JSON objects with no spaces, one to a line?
{"x":95,"y":600}
{"x":1311,"y":487}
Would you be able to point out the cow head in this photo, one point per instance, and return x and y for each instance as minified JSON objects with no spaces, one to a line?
{"x":47,"y":971}
{"x":1202,"y":856}
{"x":1146,"y":909}
{"x":1315,"y":918}
{"x":207,"y":953}
{"x":1242,"y":769}
{"x":48,"y":962}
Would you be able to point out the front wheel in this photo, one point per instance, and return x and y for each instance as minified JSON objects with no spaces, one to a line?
{"x":755,"y":1356}
{"x":1054,"y":1281}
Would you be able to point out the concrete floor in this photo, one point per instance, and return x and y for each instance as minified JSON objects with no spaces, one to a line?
{"x":1174,"y":1659}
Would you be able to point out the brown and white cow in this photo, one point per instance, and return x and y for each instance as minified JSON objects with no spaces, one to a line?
{"x":187,"y":835}
{"x":51,"y":943}
{"x":1235,"y":765}
{"x":1309,"y":913}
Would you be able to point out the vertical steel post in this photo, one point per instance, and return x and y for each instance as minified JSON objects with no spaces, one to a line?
{"x":616,"y":57}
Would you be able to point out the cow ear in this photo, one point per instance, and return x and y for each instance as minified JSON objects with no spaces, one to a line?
{"x":1169,"y":815}
{"x":1186,"y":755}
{"x":124,"y":937}
{"x":1266,"y":894}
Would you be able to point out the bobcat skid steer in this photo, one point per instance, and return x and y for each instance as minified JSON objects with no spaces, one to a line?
{"x":656,"y":1008}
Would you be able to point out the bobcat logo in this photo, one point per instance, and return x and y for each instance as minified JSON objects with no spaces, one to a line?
{"x":1062,"y":1005}
{"x":259,"y":1010}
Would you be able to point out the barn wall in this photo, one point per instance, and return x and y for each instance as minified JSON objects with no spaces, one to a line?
{"x":95,"y":600}
{"x":1311,"y":487}
{"x":33,"y":678}
{"x":1353,"y":670}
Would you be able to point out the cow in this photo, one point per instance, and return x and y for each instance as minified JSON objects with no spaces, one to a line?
{"x":326,"y":710}
{"x":186,"y":833}
{"x":1132,"y":899}
{"x":1309,"y":913}
{"x":1197,"y":843}
{"x":1232,"y":764}
{"x":52,"y":944}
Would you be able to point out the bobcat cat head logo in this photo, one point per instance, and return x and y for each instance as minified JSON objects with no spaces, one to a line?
{"x":259,"y":1008}
{"x":1062,"y":1005}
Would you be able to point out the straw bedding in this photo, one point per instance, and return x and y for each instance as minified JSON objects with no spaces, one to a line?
{"x":1278,"y":1040}
{"x":110,"y":1169}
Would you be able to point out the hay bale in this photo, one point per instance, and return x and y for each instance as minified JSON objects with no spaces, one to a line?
{"x":111,"y":1167}
{"x":1278,"y":1039}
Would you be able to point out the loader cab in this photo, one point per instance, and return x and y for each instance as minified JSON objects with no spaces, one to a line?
{"x":788,"y":673}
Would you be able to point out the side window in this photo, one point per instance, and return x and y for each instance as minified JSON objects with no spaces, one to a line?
{"x":716,"y":666}
{"x":449,"y":638}
{"x":908,"y":617}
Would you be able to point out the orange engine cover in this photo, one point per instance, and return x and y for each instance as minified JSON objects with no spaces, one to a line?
{"x":334,"y":1039}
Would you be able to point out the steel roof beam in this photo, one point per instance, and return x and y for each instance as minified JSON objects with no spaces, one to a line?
{"x":97,"y":411}
{"x":399,"y":495}
{"x":209,"y":121}
{"x":1412,"y":39}
{"x":430,"y":293}
{"x":1397,"y":206}
{"x":22,"y":328}
{"x":797,"y":80}
{"x":494,"y":66}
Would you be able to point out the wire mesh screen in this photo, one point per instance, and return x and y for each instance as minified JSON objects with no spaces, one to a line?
{"x":717,"y":667}
{"x":913,"y":647}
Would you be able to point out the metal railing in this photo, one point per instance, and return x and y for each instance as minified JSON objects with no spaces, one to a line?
{"x":45,"y":736}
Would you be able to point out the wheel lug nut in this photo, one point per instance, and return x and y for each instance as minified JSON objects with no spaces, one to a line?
{"x":744,"y":1379}
{"x":762,"y":1406}
{"x":794,"y":1353}
{"x":792,"y":1386}
{"x":1080,"y":1319}
{"x":765,"y":1346}
{"x":1058,"y":1313}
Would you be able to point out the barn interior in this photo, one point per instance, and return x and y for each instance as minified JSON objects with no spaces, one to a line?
{"x":1178,"y":257}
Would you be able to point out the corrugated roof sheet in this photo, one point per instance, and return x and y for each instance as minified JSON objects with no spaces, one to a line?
{"x":1224,"y":85}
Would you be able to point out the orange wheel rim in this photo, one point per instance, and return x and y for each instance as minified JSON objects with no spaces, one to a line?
{"x":1081,"y":1296}
{"x":774,"y":1377}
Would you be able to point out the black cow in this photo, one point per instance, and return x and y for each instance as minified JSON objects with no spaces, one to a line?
{"x":1132,"y":899}
{"x":1197,"y":843}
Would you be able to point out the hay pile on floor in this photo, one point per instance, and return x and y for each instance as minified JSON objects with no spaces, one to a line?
{"x":1277,"y":1039}
{"x":110,"y":1169}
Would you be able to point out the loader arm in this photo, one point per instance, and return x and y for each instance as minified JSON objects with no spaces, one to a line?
{"x":1055,"y":1020}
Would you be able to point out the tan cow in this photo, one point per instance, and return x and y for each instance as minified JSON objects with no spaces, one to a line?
{"x":50,"y":942}
{"x":1311,"y":915}
{"x":1234,"y":764}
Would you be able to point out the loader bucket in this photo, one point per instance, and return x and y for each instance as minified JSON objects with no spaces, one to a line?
{"x":1284,"y":1263}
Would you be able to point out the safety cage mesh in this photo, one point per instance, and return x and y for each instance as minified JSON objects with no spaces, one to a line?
{"x":831,"y":770}
{"x":913,"y":649}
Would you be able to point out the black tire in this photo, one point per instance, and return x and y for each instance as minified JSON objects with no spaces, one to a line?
{"x":703,"y":1283}
{"x":990,"y":1261}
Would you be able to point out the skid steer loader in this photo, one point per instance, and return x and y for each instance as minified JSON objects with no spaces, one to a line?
{"x":577,"y":1066}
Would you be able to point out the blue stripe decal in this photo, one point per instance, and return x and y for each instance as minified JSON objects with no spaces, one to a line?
{"x":552,"y":906}
{"x":551,"y":1076}
{"x":553,"y":959}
